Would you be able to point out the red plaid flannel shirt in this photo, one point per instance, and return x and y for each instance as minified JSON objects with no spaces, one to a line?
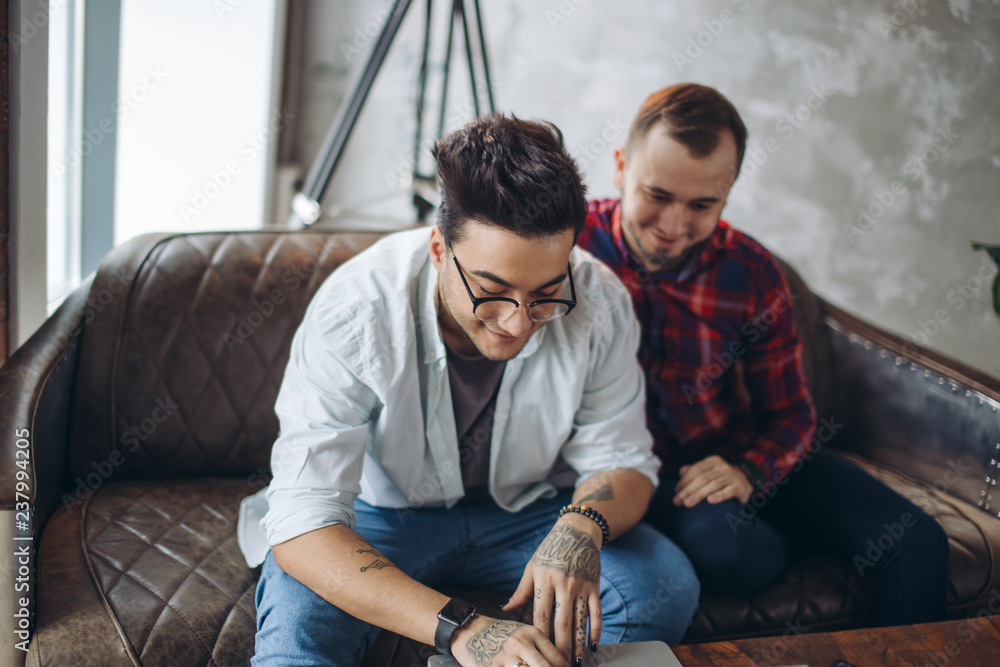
{"x":719,"y":348}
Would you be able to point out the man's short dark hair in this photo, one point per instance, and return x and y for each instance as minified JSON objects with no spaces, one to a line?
{"x":693,"y":115}
{"x":509,"y":173}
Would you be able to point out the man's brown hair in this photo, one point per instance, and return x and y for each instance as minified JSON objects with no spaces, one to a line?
{"x":509,"y":173}
{"x":693,"y":115}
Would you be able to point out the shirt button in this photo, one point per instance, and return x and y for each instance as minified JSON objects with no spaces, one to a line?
{"x":432,"y":390}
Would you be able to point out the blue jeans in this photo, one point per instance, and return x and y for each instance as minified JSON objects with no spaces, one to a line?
{"x":649,"y":590}
{"x":828,"y":506}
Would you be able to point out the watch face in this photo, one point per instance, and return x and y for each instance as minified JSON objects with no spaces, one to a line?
{"x":457,"y":612}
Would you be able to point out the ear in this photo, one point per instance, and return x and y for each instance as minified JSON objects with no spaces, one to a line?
{"x":724,"y":187}
{"x":438,"y":248}
{"x":619,"y":176}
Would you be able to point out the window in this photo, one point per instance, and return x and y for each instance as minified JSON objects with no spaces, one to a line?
{"x":162,"y":117}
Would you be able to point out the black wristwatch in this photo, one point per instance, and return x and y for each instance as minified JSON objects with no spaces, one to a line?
{"x":456,"y":614}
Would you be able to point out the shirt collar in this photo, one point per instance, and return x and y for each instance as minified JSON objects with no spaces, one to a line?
{"x":429,"y":328}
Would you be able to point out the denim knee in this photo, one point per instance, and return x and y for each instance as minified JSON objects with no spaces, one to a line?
{"x":924,"y":548}
{"x":649,"y":589}
{"x":295,"y":626}
{"x":672,"y":603}
{"x":731,"y":558}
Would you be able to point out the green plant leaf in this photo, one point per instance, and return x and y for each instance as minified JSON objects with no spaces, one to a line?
{"x":996,"y":295}
{"x":994,"y":253}
{"x":993,"y":250}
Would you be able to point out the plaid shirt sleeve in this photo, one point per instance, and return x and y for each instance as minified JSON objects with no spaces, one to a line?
{"x":779,"y":394}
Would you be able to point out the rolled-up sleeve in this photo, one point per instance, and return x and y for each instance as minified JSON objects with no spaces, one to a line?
{"x":325,"y":413}
{"x":609,"y":430}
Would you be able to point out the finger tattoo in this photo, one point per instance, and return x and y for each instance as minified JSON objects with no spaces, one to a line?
{"x":581,"y":621}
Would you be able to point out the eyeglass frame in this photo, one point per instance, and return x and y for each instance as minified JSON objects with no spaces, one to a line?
{"x":478,"y":300}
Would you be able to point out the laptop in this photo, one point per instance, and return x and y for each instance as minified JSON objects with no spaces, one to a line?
{"x":636,"y":654}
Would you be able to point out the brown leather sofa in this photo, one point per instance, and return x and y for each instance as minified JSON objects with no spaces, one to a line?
{"x":148,"y":398}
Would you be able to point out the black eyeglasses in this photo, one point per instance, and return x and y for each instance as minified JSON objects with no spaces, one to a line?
{"x":495,"y":308}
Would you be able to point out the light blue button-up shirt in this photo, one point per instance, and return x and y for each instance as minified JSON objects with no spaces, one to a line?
{"x":365,"y":406}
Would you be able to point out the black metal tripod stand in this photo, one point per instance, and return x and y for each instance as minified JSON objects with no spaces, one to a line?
{"x":306,"y":204}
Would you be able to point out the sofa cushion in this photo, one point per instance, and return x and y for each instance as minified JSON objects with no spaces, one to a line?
{"x":157,"y":565}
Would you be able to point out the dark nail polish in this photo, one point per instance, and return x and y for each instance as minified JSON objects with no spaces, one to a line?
{"x":579,"y":662}
{"x":505,"y":604}
{"x":593,"y":647}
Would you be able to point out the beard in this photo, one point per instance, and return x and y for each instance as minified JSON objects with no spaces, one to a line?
{"x":653,"y":257}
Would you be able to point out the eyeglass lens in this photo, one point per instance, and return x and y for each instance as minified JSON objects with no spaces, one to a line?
{"x":492,"y":311}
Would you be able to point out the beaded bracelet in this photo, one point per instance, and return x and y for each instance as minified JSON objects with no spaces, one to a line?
{"x":593,"y":515}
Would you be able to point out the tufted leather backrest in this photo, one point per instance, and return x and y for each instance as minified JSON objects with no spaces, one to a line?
{"x":817,"y":355}
{"x":186,"y":338}
{"x":184,"y":347}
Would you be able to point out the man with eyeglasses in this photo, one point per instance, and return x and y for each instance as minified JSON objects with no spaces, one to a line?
{"x":462,"y":407}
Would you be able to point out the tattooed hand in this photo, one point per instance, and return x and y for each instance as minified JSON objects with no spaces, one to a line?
{"x":489,"y":642}
{"x":563,"y":577}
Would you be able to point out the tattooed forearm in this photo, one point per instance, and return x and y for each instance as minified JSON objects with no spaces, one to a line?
{"x":489,"y":642}
{"x":380,"y":559}
{"x":570,"y":551}
{"x":606,"y":492}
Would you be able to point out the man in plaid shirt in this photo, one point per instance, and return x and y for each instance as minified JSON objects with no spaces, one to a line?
{"x":745,"y":484}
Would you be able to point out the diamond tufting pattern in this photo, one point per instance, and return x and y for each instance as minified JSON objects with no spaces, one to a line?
{"x":180,"y":371}
{"x":164,"y":557}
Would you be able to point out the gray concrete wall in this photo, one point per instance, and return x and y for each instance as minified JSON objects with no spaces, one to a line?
{"x":874,"y":155}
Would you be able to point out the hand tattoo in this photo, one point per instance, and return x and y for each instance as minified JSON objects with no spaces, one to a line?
{"x":489,"y":642}
{"x":570,"y":551}
{"x":606,"y":492}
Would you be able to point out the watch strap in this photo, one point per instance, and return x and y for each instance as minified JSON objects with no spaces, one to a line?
{"x":442,"y":636}
{"x":447,"y":626}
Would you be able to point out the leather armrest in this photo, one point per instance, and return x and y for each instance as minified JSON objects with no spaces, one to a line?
{"x":916,"y":410}
{"x":36,"y":384}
